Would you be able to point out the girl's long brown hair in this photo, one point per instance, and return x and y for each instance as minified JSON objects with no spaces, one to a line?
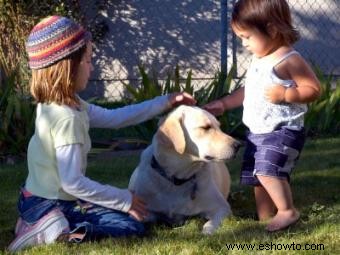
{"x":56,"y":83}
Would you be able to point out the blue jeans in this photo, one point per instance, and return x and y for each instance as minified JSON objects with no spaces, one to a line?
{"x":94,"y":221}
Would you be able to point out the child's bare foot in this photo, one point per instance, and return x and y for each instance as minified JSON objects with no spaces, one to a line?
{"x":283,"y":219}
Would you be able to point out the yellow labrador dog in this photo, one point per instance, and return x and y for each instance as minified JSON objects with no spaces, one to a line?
{"x":182,"y":173}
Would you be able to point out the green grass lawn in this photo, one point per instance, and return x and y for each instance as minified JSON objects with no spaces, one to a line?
{"x":316,"y":189}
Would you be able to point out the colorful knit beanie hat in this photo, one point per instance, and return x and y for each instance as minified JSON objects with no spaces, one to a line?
{"x":53,"y":39}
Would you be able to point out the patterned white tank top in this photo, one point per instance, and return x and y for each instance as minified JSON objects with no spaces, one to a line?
{"x":261,"y":116}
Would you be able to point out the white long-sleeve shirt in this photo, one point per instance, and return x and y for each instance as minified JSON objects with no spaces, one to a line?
{"x":69,"y":157}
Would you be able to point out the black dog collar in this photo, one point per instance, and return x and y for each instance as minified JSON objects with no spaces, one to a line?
{"x":176,"y":181}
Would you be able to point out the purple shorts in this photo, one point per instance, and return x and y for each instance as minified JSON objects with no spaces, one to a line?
{"x":273,"y":154}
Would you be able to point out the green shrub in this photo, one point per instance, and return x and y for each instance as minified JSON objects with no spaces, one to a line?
{"x":16,"y":117}
{"x":323,"y":116}
{"x":218,"y":87}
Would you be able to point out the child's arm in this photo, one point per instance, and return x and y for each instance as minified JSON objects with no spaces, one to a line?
{"x":76,"y":184}
{"x":307,"y":85}
{"x":136,"y":113}
{"x":229,"y":102}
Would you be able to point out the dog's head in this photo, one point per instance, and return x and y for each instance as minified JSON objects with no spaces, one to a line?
{"x":194,"y":131}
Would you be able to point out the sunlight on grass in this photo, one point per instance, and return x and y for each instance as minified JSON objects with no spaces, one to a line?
{"x":315,"y":184}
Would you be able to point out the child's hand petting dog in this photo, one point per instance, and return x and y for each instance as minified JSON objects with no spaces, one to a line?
{"x":138,"y":208}
{"x":178,"y":98}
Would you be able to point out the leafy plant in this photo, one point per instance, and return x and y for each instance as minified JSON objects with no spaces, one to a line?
{"x":16,"y":117}
{"x":149,"y":88}
{"x":218,"y":87}
{"x":323,"y":116}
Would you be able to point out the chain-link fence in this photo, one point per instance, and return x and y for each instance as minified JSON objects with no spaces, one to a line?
{"x":163,"y":34}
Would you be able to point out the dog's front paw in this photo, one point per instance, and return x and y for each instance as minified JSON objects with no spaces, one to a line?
{"x":208,"y":228}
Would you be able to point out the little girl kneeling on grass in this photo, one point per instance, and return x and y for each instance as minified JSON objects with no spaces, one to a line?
{"x":58,"y":201}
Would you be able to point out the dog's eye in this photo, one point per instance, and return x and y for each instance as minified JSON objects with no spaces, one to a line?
{"x":206,"y":128}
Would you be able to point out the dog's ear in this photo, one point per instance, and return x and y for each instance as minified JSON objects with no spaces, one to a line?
{"x":170,"y":134}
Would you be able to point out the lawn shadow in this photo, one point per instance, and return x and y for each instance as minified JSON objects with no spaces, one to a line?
{"x":7,"y":224}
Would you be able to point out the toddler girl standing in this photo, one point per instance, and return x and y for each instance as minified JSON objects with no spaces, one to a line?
{"x":277,"y":87}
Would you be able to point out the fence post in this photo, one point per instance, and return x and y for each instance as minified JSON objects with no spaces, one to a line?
{"x":224,"y":36}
